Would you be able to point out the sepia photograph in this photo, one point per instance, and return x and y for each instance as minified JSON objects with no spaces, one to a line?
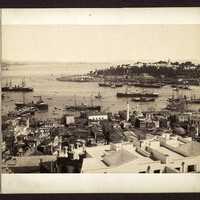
{"x":98,"y":98}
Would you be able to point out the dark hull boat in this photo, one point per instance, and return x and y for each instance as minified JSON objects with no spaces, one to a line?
{"x":118,"y":84}
{"x":104,"y":85}
{"x":112,"y":85}
{"x":137,"y":94}
{"x":40,"y":105}
{"x":194,"y":101}
{"x":17,"y":89}
{"x":83,"y":108}
{"x":143,"y":99}
{"x":98,"y":96}
{"x":182,"y":87}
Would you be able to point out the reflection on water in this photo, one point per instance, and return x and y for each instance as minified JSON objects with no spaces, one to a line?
{"x":58,"y":94}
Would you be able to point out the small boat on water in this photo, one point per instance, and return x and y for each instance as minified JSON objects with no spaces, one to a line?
{"x":143,"y":99}
{"x":118,"y":84}
{"x":181,"y":87}
{"x":98,"y":96}
{"x":184,"y":87}
{"x":177,"y":104}
{"x":176,"y":89}
{"x":105,"y":84}
{"x":113,"y":86}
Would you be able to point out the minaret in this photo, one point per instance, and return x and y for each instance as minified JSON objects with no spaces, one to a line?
{"x":127,"y":112}
{"x":197,"y":129}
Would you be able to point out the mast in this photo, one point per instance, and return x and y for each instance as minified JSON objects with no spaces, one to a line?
{"x":23,"y":82}
{"x":10,"y":84}
{"x":75,"y":102}
{"x":23,"y":96}
{"x":126,"y":91}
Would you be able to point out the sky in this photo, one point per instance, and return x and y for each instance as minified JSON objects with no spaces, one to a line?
{"x":51,"y":42}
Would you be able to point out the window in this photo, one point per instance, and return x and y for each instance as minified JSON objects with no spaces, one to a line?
{"x":156,"y":171}
{"x":191,"y":168}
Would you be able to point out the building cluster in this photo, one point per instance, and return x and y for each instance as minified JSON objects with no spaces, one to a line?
{"x":148,"y":142}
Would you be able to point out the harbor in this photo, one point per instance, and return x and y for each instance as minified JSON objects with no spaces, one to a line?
{"x":62,"y":125}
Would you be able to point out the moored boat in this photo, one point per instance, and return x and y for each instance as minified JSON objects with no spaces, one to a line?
{"x":16,"y":88}
{"x":143,"y":99}
{"x":137,"y":94}
{"x":40,"y":104}
{"x":98,"y":96}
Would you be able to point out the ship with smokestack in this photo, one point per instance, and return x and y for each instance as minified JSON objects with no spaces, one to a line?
{"x":137,"y":94}
{"x":40,"y":104}
{"x":83,"y":106}
{"x":16,"y":88}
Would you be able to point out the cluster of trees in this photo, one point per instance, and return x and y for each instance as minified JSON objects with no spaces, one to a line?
{"x":186,"y":69}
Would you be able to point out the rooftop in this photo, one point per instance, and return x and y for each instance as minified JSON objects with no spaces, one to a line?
{"x":191,"y":148}
{"x":119,"y":157}
{"x":27,"y":161}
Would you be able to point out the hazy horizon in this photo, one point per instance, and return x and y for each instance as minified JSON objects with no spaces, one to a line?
{"x":100,"y":43}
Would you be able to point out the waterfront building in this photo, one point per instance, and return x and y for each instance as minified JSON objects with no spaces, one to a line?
{"x":97,"y":117}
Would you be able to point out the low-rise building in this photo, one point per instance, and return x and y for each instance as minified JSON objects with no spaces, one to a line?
{"x":97,"y":117}
{"x":69,"y":119}
{"x":160,"y":154}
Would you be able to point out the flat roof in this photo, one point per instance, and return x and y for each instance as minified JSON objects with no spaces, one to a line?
{"x":191,"y":148}
{"x":92,"y":164}
{"x":98,"y":152}
{"x":170,"y":153}
{"x":26,"y":161}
